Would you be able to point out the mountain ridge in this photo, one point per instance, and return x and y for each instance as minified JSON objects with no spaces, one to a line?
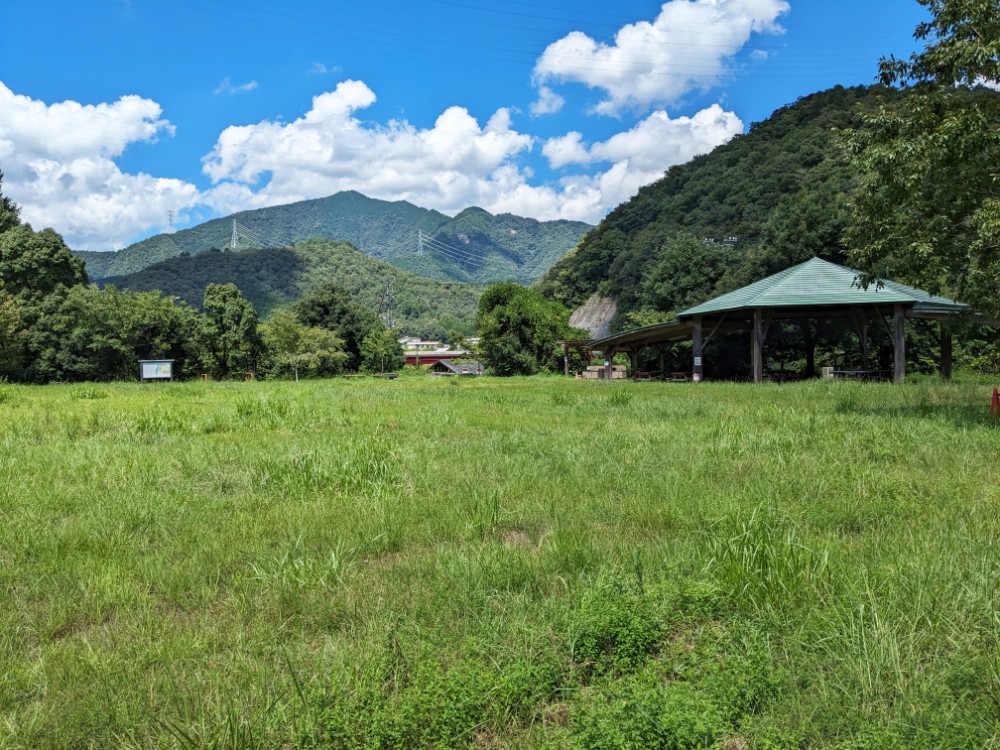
{"x":271,"y":278}
{"x":474,"y":246}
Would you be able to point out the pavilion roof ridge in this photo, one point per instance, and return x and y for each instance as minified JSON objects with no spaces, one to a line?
{"x":818,"y":282}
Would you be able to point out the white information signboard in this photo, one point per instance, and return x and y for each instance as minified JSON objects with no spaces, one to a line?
{"x":156,"y":369}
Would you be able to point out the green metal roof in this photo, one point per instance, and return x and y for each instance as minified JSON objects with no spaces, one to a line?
{"x":819,"y":283}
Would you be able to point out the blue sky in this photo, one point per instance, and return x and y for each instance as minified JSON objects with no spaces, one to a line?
{"x":114,"y":113}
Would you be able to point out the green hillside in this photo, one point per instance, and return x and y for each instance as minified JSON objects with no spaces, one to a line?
{"x":775,"y":196}
{"x":270,"y":278}
{"x":475,"y":246}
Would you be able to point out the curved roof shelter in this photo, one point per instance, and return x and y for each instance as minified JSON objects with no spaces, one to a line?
{"x":814,"y":289}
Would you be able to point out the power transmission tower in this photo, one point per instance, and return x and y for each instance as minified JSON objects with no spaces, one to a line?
{"x":235,"y":240}
{"x":387,"y":306}
{"x":170,"y":221}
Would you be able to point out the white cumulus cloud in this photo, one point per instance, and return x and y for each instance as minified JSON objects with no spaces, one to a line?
{"x":58,"y":164}
{"x":637,"y":157}
{"x":687,"y":47}
{"x":548,"y":102}
{"x":448,"y":166}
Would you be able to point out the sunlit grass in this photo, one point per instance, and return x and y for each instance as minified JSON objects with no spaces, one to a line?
{"x":490,"y":563}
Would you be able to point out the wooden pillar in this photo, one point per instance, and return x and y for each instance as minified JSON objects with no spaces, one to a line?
{"x":946,"y":360}
{"x":810,"y":340}
{"x":566,"y":359}
{"x":899,"y":345}
{"x":863,"y":335}
{"x":662,"y":351}
{"x":697,"y":369}
{"x":609,"y":357}
{"x":633,"y":355}
{"x":757,"y":345}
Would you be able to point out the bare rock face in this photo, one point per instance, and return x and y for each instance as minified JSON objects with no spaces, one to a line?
{"x":595,"y":315}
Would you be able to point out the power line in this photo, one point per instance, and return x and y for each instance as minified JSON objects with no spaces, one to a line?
{"x":455,"y":254}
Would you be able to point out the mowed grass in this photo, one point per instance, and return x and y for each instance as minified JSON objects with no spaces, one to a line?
{"x":538,"y":563}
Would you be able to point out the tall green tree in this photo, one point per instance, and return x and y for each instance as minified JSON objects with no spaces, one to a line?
{"x":519,"y":330}
{"x":294,"y":350}
{"x":381,"y":351}
{"x":37,"y":262}
{"x":332,"y":307}
{"x":229,"y":331}
{"x":928,"y":210}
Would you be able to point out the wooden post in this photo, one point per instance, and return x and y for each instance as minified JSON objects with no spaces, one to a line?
{"x":662,"y":351}
{"x":946,"y":361}
{"x":633,"y":355}
{"x":810,"y":340}
{"x":697,"y":369}
{"x":566,"y":359}
{"x":757,"y":346}
{"x":863,"y":334}
{"x":899,"y":345}
{"x":609,"y":358}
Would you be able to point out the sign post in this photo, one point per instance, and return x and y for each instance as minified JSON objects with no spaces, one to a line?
{"x":156,"y":369}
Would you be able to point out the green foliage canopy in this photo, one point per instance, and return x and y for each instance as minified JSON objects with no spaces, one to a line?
{"x":270,"y":279}
{"x":519,"y":330}
{"x":332,"y":307}
{"x":229,"y":331}
{"x":37,"y":262}
{"x":295,"y":350}
{"x":928,"y":210}
{"x":85,"y":333}
{"x":9,"y":211}
{"x":381,"y":351}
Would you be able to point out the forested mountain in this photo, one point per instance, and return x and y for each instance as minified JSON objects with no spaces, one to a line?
{"x":474,"y":246}
{"x":766,"y":200}
{"x":271,"y":278}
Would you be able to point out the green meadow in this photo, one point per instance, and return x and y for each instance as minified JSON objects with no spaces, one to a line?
{"x":520,"y":563}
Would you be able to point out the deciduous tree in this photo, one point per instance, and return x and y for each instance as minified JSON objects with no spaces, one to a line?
{"x":380,"y":350}
{"x":295,"y":350}
{"x":229,"y":331}
{"x":332,"y":307}
{"x":929,"y":207}
{"x":519,"y":330}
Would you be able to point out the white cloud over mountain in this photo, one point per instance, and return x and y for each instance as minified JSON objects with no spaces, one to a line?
{"x":687,"y":47}
{"x":59,"y":166}
{"x":60,"y":163}
{"x":452,"y":165}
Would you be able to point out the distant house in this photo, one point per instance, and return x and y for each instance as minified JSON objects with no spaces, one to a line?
{"x":447,"y":367}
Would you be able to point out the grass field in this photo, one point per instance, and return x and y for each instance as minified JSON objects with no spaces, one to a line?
{"x":539,"y":563}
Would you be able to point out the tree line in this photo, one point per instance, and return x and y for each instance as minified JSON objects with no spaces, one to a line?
{"x":55,"y":326}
